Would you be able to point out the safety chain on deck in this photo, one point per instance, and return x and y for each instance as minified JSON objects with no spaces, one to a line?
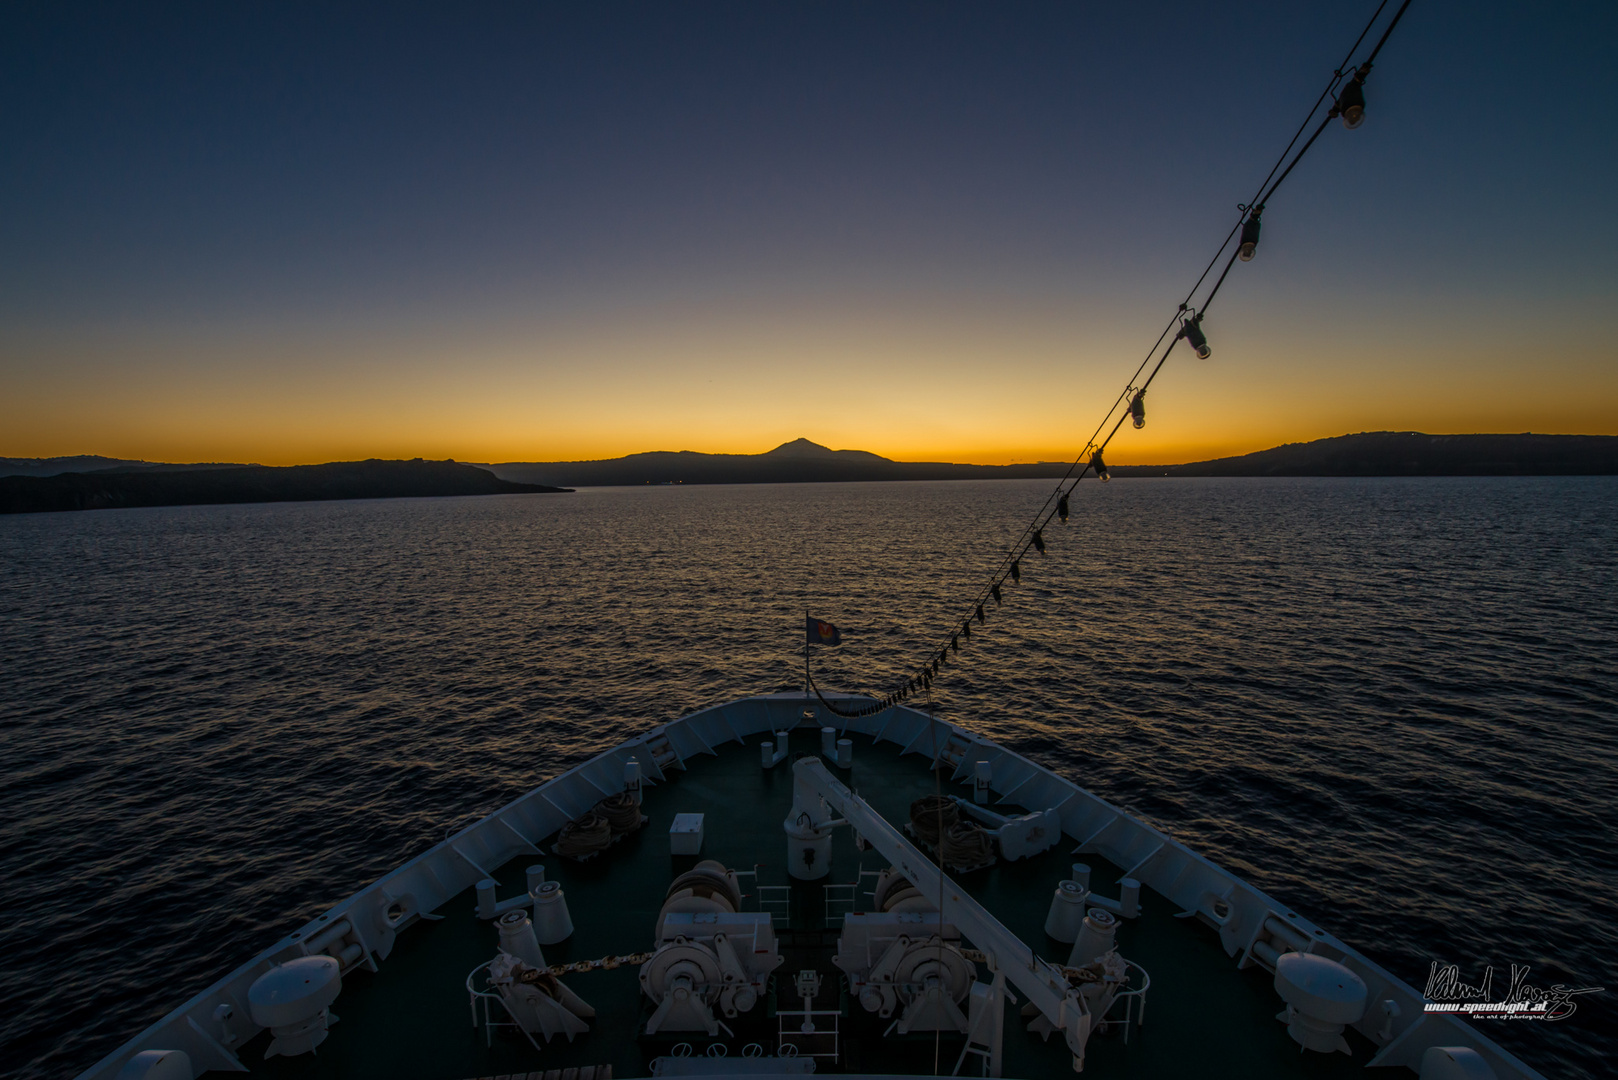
{"x":606,"y":963}
{"x":583,"y":1072}
{"x":1073,"y":974}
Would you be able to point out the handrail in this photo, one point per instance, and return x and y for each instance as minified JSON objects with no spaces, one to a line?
{"x":1131,"y":994}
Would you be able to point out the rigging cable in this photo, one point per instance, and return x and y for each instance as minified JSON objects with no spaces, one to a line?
{"x":1090,"y":457}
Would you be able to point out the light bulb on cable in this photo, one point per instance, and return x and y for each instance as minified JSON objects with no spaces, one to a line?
{"x":1191,"y":330}
{"x":1100,"y":467}
{"x":1351,"y":104}
{"x":1249,"y":245}
{"x":1137,"y":410}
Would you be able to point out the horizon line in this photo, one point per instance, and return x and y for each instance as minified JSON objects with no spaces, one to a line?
{"x":1121,"y":463}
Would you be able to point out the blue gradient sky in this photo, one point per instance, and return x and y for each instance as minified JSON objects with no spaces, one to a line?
{"x":249,"y":232}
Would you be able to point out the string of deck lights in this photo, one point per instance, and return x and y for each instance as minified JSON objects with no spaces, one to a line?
{"x":1348,"y":104}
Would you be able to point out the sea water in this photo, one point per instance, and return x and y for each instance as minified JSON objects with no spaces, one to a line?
{"x":1390,"y":703}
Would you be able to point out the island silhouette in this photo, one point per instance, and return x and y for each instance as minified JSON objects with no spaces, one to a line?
{"x":159,"y":485}
{"x":1379,"y":453}
{"x":89,"y":483}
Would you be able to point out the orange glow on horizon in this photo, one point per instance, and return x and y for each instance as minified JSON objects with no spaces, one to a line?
{"x":958,"y":252}
{"x":971,"y":384}
{"x":470,"y":449}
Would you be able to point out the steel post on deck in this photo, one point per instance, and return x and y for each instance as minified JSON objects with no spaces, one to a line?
{"x":820,"y":796}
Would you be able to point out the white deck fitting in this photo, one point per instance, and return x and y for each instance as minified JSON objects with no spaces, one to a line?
{"x":424,"y":883}
{"x":685,"y":835}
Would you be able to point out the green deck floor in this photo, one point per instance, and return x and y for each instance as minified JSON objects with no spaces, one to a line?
{"x":411,"y":1021}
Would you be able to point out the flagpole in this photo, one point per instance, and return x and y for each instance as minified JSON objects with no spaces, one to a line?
{"x":806,"y":656}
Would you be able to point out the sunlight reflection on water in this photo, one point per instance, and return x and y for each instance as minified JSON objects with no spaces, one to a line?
{"x":1387,"y":702}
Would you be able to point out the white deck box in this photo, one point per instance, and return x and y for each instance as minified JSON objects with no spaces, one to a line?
{"x":685,"y":835}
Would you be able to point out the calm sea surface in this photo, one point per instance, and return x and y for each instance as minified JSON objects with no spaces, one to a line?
{"x":1389,"y":703}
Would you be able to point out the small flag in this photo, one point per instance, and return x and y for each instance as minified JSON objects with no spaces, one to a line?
{"x":821,"y":633}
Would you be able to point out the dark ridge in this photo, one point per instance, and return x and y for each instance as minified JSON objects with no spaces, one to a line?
{"x":1382,"y":453}
{"x":109,"y":488}
{"x":796,"y":462}
{"x":83,"y":463}
{"x":1411,"y":453}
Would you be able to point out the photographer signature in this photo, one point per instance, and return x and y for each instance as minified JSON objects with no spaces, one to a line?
{"x":1523,"y":1000}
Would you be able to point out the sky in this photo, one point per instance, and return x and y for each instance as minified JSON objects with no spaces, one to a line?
{"x":937,"y":231}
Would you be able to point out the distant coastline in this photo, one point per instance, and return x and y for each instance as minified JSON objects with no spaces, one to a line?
{"x":1382,"y":453}
{"x":1412,"y":453}
{"x":112,"y":488}
{"x":31,"y":484}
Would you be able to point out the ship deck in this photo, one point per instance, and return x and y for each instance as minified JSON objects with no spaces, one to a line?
{"x":412,"y":1020}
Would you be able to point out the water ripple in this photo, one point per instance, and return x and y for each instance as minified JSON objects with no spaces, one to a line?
{"x":1388,"y":702}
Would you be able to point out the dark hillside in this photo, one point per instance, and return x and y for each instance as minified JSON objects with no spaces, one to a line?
{"x":108,"y":488}
{"x":1411,"y":453}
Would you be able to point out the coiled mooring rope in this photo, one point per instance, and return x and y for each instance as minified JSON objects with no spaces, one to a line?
{"x":931,"y":815}
{"x":966,"y":845}
{"x":622,"y":813}
{"x":584,"y":836}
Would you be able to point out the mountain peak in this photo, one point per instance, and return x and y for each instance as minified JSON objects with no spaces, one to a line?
{"x":804,"y":450}
{"x":800,"y":448}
